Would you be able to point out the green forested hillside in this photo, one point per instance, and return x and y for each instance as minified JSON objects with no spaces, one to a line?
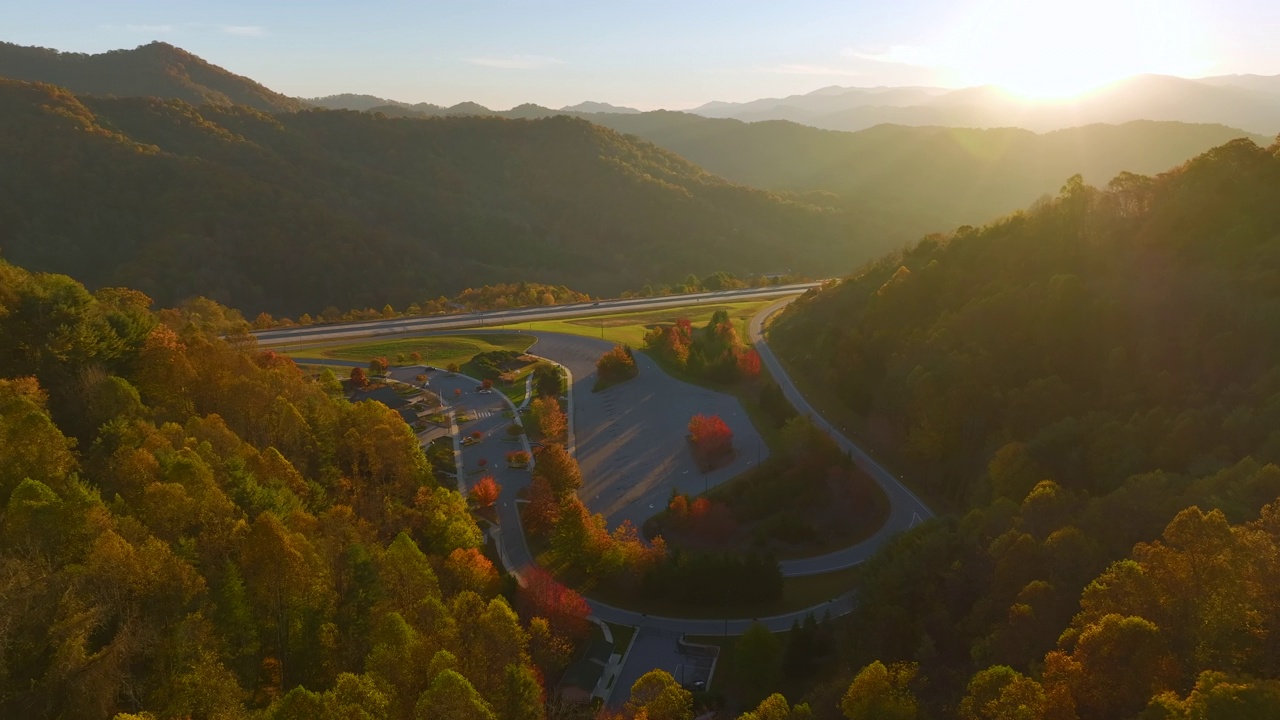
{"x":190,"y":528}
{"x":920,"y":179}
{"x":928,"y":179}
{"x":1110,"y":332}
{"x":302,"y":211}
{"x":157,"y":69}
{"x":1100,"y":371}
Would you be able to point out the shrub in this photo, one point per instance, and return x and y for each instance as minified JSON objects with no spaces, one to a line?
{"x":615,"y":366}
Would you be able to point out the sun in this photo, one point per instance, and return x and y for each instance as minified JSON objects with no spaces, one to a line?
{"x":1051,"y":50}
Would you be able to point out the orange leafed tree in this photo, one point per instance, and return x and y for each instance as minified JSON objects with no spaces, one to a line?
{"x":543,"y":510}
{"x":469,"y":569}
{"x":679,"y":506}
{"x":549,"y":417}
{"x":485,"y":492}
{"x":711,"y":437}
{"x":616,"y":365}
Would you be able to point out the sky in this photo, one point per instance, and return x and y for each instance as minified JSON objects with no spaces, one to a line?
{"x":664,"y":54}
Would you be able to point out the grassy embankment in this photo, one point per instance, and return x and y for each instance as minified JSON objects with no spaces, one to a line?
{"x":629,"y":328}
{"x":437,"y":351}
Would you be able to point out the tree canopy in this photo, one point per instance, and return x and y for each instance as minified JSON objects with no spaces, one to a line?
{"x":190,"y":527}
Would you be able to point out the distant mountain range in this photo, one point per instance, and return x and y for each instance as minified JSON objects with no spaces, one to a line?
{"x":157,"y":69}
{"x":927,"y":178}
{"x":369,"y":103}
{"x":1251,"y":102}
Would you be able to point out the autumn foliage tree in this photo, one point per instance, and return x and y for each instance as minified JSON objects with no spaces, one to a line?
{"x":359,"y":378}
{"x":564,"y":609}
{"x":542,"y":512}
{"x":549,"y":418}
{"x":379,"y":365}
{"x":714,"y":352}
{"x":748,"y":364}
{"x":233,"y":540}
{"x":485,"y":492}
{"x":711,"y":437}
{"x":615,"y":366}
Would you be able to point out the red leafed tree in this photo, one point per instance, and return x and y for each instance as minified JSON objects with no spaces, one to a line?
{"x":564,"y":609}
{"x":543,"y":510}
{"x":711,"y":437}
{"x":485,"y":492}
{"x":486,"y":384}
{"x":379,"y":364}
{"x":749,"y":364}
{"x":699,"y":509}
{"x":359,"y":378}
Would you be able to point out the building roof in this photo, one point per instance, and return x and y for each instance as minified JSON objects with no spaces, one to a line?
{"x":384,"y":395}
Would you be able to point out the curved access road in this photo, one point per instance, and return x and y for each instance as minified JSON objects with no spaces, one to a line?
{"x":906,"y":510}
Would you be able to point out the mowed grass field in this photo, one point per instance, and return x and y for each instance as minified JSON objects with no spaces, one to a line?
{"x":629,"y":328}
{"x":436,"y":350}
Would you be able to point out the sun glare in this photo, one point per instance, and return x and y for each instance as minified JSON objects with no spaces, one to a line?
{"x":1050,"y":50}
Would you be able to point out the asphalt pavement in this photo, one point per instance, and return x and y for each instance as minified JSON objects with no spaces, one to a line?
{"x":419,"y":324}
{"x":630,"y":437}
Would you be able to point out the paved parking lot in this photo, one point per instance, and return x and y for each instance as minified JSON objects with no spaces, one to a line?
{"x":659,"y":650}
{"x":631,"y":438}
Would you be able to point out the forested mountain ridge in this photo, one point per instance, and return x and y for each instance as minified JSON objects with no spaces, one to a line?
{"x":924,"y":179}
{"x":927,"y":178}
{"x":156,"y":69}
{"x":1095,"y":384}
{"x":300,"y":211}
{"x":191,"y":528}
{"x":1152,"y":295}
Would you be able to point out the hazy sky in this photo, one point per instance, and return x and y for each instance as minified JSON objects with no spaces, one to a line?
{"x":669,"y":54}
